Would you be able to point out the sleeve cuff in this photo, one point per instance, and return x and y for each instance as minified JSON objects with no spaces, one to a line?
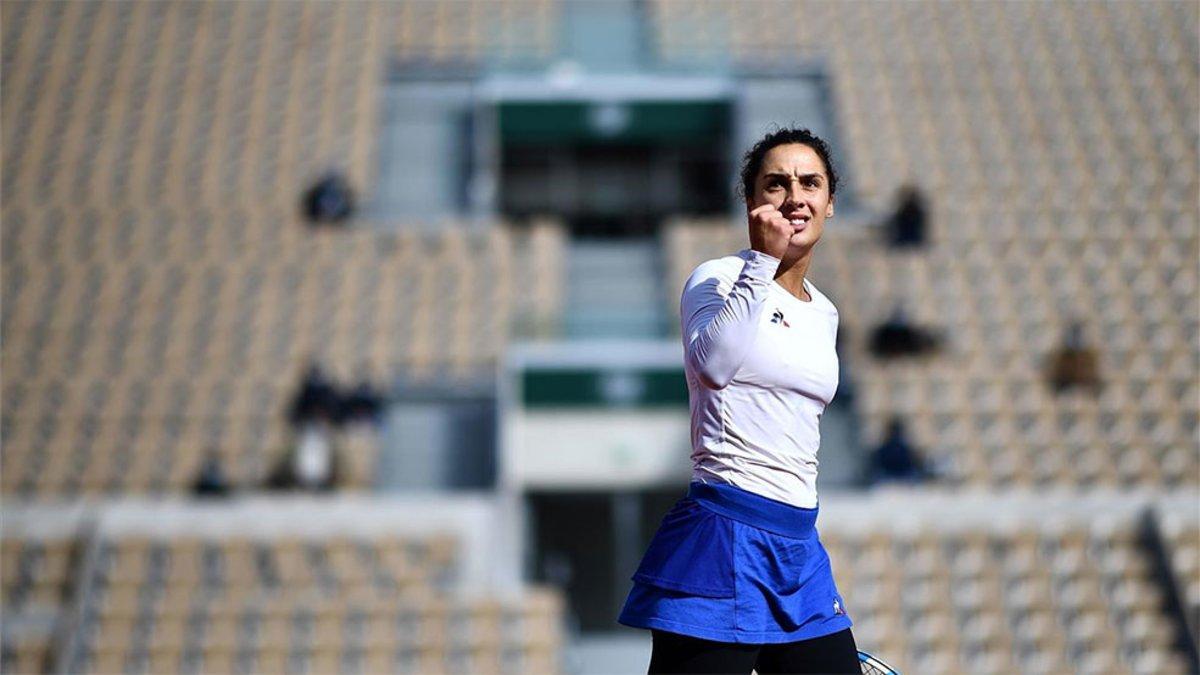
{"x":761,"y":265}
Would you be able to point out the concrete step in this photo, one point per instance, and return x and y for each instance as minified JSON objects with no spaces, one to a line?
{"x":616,"y":653}
{"x":622,"y":323}
{"x":614,"y":292}
{"x":586,"y":260}
{"x":613,"y":289}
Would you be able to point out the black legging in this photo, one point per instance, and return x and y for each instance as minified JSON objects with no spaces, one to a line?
{"x":834,"y":654}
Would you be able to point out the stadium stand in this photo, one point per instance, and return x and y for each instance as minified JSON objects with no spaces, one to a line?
{"x":334,"y":605}
{"x":1025,"y":231}
{"x":1179,"y":528}
{"x":161,"y":298}
{"x":137,"y":341}
{"x":1018,"y":584}
{"x":36,"y":579}
{"x":983,"y":403}
{"x":176,"y":104}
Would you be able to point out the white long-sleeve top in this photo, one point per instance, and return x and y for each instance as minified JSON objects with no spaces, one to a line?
{"x":761,"y":366}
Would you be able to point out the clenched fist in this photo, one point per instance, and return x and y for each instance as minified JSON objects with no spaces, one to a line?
{"x":770,"y":232}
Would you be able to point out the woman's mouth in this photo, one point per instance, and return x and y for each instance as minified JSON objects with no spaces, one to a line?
{"x":799,"y":223}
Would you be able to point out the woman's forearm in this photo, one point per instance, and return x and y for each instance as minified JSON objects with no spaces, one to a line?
{"x":721,"y":327}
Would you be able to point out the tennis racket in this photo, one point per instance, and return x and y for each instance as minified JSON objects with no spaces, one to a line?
{"x":873,"y":666}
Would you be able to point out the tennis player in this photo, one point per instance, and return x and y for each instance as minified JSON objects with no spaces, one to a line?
{"x":736,"y":577}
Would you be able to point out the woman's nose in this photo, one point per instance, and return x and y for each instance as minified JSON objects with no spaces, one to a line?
{"x":794,"y":196}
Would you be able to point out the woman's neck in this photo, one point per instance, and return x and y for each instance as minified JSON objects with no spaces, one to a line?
{"x":791,"y":273}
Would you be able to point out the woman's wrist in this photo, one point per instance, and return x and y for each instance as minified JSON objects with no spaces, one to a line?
{"x":762,"y":265}
{"x":766,"y":256}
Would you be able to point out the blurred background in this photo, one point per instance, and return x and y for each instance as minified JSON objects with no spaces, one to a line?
{"x":343,"y":336}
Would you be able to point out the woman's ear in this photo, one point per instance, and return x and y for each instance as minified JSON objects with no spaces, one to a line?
{"x":829,"y":209}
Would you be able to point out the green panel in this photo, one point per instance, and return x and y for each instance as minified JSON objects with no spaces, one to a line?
{"x":593,"y":388}
{"x":646,"y":121}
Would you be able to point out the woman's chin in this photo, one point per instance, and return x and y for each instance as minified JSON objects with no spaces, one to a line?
{"x":800,"y":239}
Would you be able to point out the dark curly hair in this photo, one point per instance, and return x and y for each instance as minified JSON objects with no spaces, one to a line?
{"x":752,"y":160}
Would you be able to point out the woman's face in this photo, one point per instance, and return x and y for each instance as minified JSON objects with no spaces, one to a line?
{"x":794,"y":180}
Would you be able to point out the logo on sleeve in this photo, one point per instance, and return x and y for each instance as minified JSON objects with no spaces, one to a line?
{"x":777,"y":317}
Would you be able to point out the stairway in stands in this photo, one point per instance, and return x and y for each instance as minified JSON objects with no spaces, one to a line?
{"x":613,"y":289}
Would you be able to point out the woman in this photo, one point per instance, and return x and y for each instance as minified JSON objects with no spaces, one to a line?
{"x":736,"y":577}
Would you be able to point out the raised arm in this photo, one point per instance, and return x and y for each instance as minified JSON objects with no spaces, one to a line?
{"x":720,"y":317}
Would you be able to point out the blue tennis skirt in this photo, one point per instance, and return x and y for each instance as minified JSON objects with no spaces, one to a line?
{"x":729,"y":565}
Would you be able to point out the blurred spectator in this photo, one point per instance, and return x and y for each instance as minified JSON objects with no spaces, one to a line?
{"x":557,"y":568}
{"x":210,"y":481}
{"x":329,"y":200}
{"x":897,"y":337}
{"x":313,"y":460}
{"x":906,"y":227}
{"x":312,"y":463}
{"x":363,"y":404}
{"x":895,"y":460}
{"x":316,"y":399}
{"x":1074,"y":363}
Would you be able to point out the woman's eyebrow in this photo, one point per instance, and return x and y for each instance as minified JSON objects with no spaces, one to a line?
{"x":802,"y":176}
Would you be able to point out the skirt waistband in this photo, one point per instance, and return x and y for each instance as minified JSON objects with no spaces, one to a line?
{"x":761,"y":512}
